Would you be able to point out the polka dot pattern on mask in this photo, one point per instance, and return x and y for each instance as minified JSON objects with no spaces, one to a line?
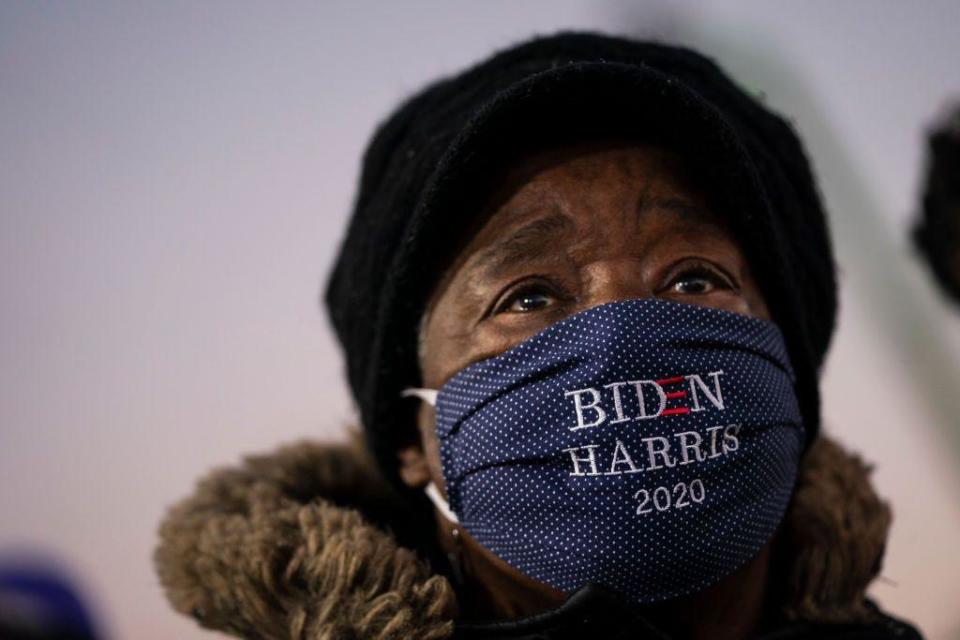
{"x":646,"y":445}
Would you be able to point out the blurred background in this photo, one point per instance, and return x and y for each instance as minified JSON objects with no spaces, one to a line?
{"x":175,"y":178}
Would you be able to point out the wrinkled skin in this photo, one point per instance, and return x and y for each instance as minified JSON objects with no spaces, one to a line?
{"x":569,"y":229}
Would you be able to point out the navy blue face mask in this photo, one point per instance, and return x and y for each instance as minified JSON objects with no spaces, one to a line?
{"x":645,"y":445}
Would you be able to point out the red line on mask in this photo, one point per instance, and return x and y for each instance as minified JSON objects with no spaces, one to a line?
{"x":673,"y":380}
{"x":676,"y":411}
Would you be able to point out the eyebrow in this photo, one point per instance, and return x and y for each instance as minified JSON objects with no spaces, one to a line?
{"x":529,"y":240}
{"x":684,"y":208}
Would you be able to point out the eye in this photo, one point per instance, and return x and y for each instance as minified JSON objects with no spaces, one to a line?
{"x":526,"y":299}
{"x":698,"y":280}
{"x":693,"y":284}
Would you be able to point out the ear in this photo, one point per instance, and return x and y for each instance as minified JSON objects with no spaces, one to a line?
{"x":418,"y":457}
{"x":413,"y":467}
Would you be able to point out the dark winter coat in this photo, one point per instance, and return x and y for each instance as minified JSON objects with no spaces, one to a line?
{"x":299,"y":544}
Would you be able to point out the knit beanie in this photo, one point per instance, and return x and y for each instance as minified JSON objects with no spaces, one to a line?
{"x":434,"y":159}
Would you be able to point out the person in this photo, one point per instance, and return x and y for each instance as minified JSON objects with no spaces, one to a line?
{"x":584,"y":297}
{"x":936,"y":230}
{"x":38,"y":601}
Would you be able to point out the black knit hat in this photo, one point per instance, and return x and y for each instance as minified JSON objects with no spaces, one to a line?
{"x":431,"y":162}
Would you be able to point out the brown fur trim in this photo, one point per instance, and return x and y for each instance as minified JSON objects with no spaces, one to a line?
{"x":297,"y":544}
{"x":836,"y":530}
{"x":254,"y":552}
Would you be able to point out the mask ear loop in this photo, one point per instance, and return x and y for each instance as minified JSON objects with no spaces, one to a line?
{"x":455,"y":558}
{"x":427,"y":395}
{"x":434,"y":494}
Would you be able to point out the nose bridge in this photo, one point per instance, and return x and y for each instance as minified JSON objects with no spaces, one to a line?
{"x":615,"y":278}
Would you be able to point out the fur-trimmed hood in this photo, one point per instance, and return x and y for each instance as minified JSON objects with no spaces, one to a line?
{"x":298,"y":544}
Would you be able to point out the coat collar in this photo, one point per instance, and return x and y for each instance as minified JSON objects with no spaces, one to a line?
{"x":299,"y":543}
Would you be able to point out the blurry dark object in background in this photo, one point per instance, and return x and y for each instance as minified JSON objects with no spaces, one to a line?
{"x":937,"y":232}
{"x":37,"y":603}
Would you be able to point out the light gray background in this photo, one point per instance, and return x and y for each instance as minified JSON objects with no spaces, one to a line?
{"x":175,"y":177}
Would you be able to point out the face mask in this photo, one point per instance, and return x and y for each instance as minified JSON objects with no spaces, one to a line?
{"x":645,"y":445}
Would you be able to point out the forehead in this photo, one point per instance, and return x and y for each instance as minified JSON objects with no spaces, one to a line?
{"x":582,"y":188}
{"x":542,"y":200}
